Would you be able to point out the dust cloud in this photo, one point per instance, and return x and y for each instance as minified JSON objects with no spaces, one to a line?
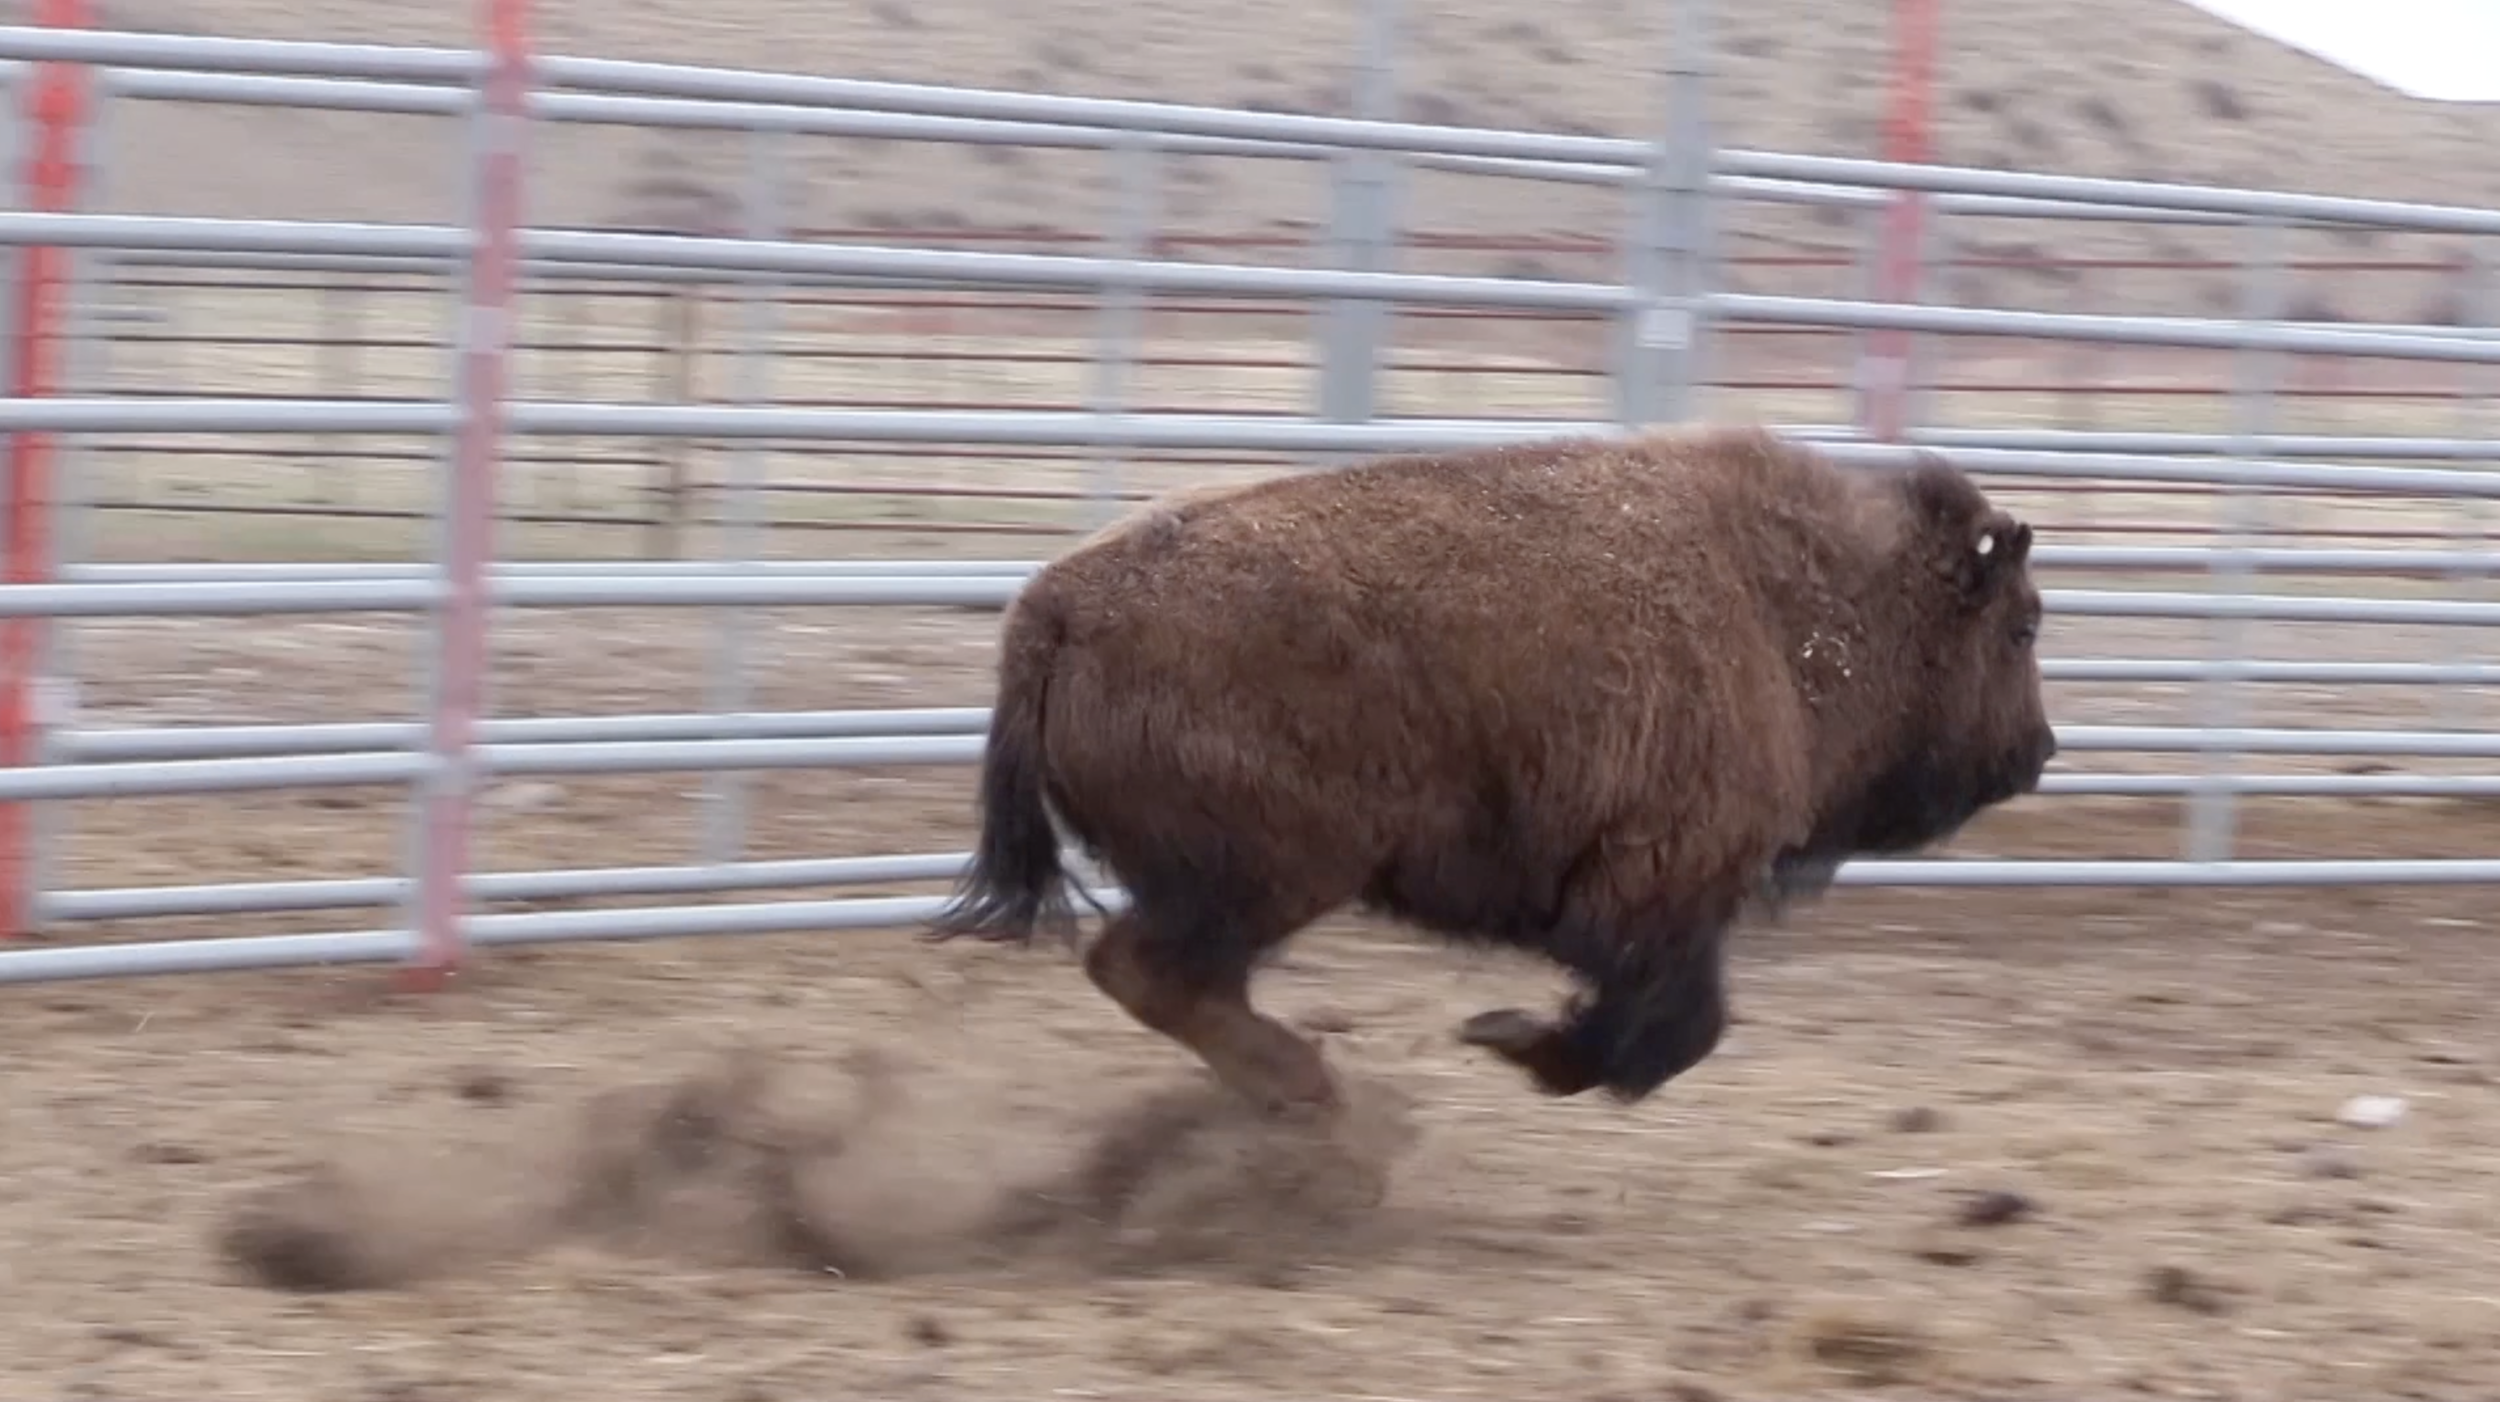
{"x":863,"y":1171}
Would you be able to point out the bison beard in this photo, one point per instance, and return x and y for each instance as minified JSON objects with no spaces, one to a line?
{"x":1593,"y":699}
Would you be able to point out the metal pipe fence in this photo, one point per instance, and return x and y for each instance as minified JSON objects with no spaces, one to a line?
{"x":1671,"y":322}
{"x":1023,"y":350}
{"x":663,"y":521}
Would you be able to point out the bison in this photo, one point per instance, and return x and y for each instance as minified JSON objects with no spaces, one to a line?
{"x":1591,"y":698}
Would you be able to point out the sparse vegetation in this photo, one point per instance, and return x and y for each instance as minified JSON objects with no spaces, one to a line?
{"x":2174,"y":94}
{"x":2219,"y":100}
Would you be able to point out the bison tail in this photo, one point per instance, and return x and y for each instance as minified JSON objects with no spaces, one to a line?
{"x":1015,"y":884}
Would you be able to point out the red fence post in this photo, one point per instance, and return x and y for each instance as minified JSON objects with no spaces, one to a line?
{"x":55,"y":108}
{"x":1896,"y":279}
{"x":469,"y":515}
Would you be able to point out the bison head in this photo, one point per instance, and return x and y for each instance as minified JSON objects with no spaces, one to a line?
{"x":1964,"y":726}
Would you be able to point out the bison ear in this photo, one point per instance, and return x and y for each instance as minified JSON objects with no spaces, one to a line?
{"x":1940,"y":495}
{"x":2001,"y":547}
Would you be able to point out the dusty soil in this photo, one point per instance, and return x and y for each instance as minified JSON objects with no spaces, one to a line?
{"x":1974,"y":1143}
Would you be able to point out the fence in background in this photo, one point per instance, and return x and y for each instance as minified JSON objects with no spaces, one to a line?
{"x":1665,"y":328}
{"x":354,"y":335}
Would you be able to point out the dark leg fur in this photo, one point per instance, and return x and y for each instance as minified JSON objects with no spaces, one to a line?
{"x":1644,"y":1024}
{"x":1794,"y":878}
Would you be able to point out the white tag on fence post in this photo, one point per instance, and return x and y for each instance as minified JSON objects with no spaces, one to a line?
{"x":1666,"y":328}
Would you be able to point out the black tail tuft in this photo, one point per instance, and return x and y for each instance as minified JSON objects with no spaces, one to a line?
{"x":1016,"y":884}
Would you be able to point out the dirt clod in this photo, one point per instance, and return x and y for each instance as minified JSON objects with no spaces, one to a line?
{"x":1866,"y":1348}
{"x":1941,"y":1247}
{"x":2185,"y":1289}
{"x":1992,"y":1207}
{"x":484,"y":1086}
{"x":928,"y":1332}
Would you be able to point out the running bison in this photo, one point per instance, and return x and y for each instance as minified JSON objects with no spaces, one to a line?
{"x":1590,"y":698}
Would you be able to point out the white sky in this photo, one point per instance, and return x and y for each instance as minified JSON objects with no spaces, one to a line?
{"x":2447,"y":50}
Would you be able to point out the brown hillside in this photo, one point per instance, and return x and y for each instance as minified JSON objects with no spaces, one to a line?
{"x":2135,"y":88}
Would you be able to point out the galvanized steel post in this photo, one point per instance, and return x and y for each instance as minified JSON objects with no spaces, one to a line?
{"x":742,"y":523}
{"x":1661,"y":325}
{"x":2212,"y":812}
{"x":83,"y":361}
{"x":458,"y":662}
{"x":1137,"y":180}
{"x":2478,"y":418}
{"x":1906,"y":138}
{"x":1362,"y":231}
{"x":54,"y":109}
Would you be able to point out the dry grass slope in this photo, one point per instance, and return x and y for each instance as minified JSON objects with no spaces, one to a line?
{"x":2136,"y":88}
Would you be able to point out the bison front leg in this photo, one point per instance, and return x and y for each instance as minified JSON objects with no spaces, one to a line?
{"x":1792,"y":878}
{"x":1645,"y":1021}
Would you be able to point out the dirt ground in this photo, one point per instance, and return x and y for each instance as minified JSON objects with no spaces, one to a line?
{"x":1979,"y":1143}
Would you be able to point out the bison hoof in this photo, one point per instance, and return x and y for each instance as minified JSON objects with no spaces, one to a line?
{"x":1532,"y":1044}
{"x":1505,"y":1030}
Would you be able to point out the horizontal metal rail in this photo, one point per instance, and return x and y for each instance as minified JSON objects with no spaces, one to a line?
{"x":2146,"y":467}
{"x":275,"y":596}
{"x":386,"y":946}
{"x":767,"y":256}
{"x":664,"y":756}
{"x":126,"y":745}
{"x":2447,"y":786}
{"x":1154,"y":431}
{"x":2279,"y":608}
{"x":2272,"y":559}
{"x":2143,"y":194}
{"x":2120,"y":441}
{"x":240,"y":597}
{"x":795,"y":917}
{"x":186,"y":572}
{"x":129,"y":49}
{"x":2283,"y":560}
{"x":2394,"y":871}
{"x":296,"y":768}
{"x":139,"y":778}
{"x":272,"y":897}
{"x":236,"y":598}
{"x":455,"y":66}
{"x":1071,"y":271}
{"x":2112,"y":669}
{"x":159,"y":778}
{"x":2189,"y":332}
{"x":2188,"y":739}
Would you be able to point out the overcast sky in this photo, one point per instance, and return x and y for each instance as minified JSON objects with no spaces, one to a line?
{"x":2443,"y":49}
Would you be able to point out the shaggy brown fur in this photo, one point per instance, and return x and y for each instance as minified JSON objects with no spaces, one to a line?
{"x":1590,"y":698}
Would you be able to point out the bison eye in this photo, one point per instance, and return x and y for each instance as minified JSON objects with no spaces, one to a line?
{"x":2025,"y":634}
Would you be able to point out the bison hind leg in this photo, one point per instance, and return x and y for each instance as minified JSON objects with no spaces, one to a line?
{"x":1182,"y":968}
